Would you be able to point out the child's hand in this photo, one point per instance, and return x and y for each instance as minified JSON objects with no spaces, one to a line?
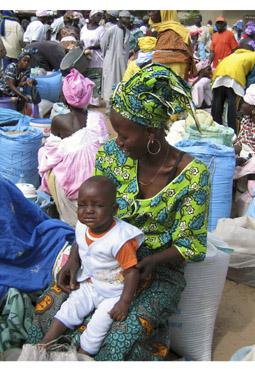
{"x":119,"y":311}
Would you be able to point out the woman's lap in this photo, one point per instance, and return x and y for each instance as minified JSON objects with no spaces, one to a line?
{"x":144,"y":335}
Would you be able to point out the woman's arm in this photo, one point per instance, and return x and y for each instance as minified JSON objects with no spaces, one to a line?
{"x":149,"y":263}
{"x":12,"y":86}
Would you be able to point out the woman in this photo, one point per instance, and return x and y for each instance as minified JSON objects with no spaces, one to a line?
{"x":246,"y":137}
{"x":91,"y":35}
{"x":201,"y":87}
{"x":162,"y":190}
{"x":173,"y":47}
{"x":74,"y":141}
{"x":16,"y":77}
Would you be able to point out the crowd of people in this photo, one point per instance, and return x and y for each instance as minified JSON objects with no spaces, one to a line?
{"x":133,"y":208}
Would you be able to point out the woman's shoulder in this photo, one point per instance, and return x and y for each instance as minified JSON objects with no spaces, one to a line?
{"x":189,"y":162}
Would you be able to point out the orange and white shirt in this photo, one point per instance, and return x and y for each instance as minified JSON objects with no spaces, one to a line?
{"x":104,"y":257}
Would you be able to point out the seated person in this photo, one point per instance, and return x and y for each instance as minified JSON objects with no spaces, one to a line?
{"x":201,"y":87}
{"x":107,"y":278}
{"x":16,"y":76}
{"x":245,"y":142}
{"x":72,"y":146}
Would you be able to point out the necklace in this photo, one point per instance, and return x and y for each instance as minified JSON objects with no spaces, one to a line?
{"x":157,"y":172}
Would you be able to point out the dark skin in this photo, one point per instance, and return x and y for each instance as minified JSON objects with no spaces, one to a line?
{"x":206,"y":72}
{"x":64,"y":125}
{"x":93,"y":24}
{"x":245,"y":110}
{"x":155,"y":16}
{"x":132,"y":139}
{"x":96,"y":208}
{"x":198,"y":20}
{"x":221,"y":27}
{"x":22,"y":65}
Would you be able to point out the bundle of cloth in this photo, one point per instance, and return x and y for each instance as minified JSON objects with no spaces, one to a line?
{"x":30,"y":241}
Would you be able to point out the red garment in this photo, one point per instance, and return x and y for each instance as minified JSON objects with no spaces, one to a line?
{"x":223,"y":44}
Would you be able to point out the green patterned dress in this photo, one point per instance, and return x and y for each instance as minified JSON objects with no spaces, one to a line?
{"x":177,"y":214}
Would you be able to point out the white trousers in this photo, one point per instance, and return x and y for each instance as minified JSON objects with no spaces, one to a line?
{"x":78,"y":305}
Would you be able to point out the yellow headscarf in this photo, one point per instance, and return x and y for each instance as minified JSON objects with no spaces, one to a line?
{"x":169,"y":20}
{"x":147,"y":43}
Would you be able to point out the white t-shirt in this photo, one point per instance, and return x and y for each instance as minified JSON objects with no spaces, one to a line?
{"x":36,"y":31}
{"x":92,"y":37}
{"x":98,"y":261}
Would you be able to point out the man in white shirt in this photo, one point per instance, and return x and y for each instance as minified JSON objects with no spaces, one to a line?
{"x":37,"y":30}
{"x":11,"y":34}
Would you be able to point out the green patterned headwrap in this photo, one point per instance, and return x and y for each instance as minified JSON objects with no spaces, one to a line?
{"x":152,"y":96}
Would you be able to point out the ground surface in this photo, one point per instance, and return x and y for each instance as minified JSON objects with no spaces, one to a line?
{"x":235,"y":323}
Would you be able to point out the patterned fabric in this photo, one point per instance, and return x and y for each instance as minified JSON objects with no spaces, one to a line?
{"x":151,"y":96}
{"x":144,"y":335}
{"x":178,"y":213}
{"x":11,"y":72}
{"x":16,"y":317}
{"x":247,"y":133}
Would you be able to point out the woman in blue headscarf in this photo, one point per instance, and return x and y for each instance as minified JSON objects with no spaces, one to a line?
{"x":11,"y":34}
{"x":16,"y":77}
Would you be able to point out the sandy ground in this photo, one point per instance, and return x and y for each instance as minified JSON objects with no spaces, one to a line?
{"x":235,"y":322}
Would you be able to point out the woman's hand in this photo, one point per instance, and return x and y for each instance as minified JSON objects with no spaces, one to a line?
{"x":26,"y":98}
{"x":66,"y":278}
{"x":146,"y":266}
{"x":120,"y":311}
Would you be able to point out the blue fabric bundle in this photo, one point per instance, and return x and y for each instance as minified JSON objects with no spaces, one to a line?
{"x":29,"y":241}
{"x":220,"y":161}
{"x":19,"y":147}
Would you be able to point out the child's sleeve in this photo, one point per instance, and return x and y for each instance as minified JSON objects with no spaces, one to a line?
{"x":126,"y":256}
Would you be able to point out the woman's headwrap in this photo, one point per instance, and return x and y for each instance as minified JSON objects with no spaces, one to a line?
{"x":27,"y":51}
{"x":169,"y":20}
{"x":147,"y":43}
{"x":249,"y":96}
{"x":152,"y":96}
{"x":77,"y":89}
{"x":6,"y":15}
{"x":202,"y":65}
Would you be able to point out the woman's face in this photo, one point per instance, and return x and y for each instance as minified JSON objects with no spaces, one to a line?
{"x":155,"y":16}
{"x":24,"y":62}
{"x":132,"y":138}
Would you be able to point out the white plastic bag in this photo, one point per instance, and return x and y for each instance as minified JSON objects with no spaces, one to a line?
{"x":191,"y":328}
{"x":38,"y":353}
{"x":239,"y":234}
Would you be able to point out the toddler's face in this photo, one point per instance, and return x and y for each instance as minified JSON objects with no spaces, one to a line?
{"x":95,"y":208}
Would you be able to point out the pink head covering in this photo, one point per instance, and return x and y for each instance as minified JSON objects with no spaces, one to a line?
{"x":77,"y":89}
{"x":202,"y":65}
